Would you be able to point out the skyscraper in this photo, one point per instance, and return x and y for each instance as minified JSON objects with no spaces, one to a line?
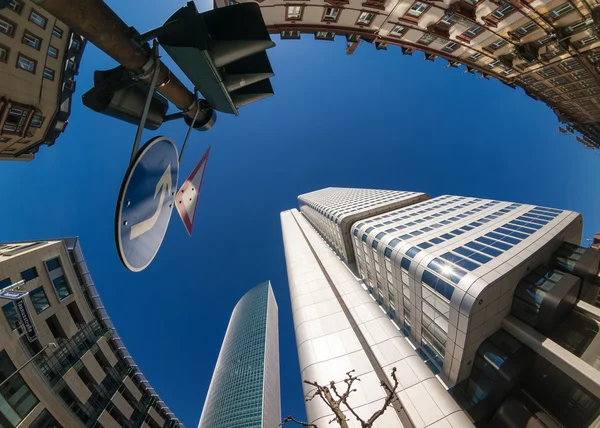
{"x":244,"y":390}
{"x":482,"y":298}
{"x":334,"y":209}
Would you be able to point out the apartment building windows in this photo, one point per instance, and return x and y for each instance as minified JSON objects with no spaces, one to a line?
{"x":365,"y":18}
{"x":449,"y":19}
{"x":398,"y":30}
{"x":29,"y":274}
{"x":475,"y":56}
{"x":494,"y":63}
{"x":26,"y":63}
{"x":547,"y":72}
{"x":10,"y":313}
{"x":451,"y":47}
{"x":331,"y":14}
{"x":557,"y":81}
{"x":57,"y":32}
{"x":17,"y":398}
{"x":38,"y":19}
{"x":16,"y":6}
{"x":48,"y":73}
{"x":294,"y":12}
{"x":570,"y":64}
{"x":4,"y":51}
{"x":58,"y":279}
{"x":39,"y":300}
{"x":76,"y":313}
{"x":587,"y":40}
{"x":527,"y":28}
{"x":561,"y":10}
{"x":56,"y":327}
{"x":503,"y":11}
{"x":497,"y":44}
{"x":45,"y":420}
{"x":32,"y":40}
{"x":426,"y":39}
{"x":52,"y":52}
{"x":471,"y":33}
{"x":417,"y":9}
{"x":7,"y":27}
{"x":581,"y":25}
{"x":325,"y":35}
{"x":580,"y":74}
{"x":290,"y":34}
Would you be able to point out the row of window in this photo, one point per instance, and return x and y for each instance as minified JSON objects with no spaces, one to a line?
{"x":410,"y":208}
{"x":352,"y":199}
{"x":442,"y":223}
{"x":484,"y":248}
{"x":26,"y":63}
{"x":38,"y":296}
{"x":330,"y":14}
{"x":477,"y":252}
{"x":465,"y":228}
{"x":16,"y":119}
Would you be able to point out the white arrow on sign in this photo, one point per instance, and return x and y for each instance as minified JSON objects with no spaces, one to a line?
{"x":163,"y":186}
{"x":186,"y":199}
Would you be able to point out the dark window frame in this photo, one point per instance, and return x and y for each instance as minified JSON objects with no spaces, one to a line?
{"x":41,"y":16}
{"x":28,"y":59}
{"x":33,"y":36}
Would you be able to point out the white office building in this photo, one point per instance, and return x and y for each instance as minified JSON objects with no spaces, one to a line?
{"x":334,"y":210}
{"x":478,"y":297}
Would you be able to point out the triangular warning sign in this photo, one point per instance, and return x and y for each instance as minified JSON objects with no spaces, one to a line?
{"x":186,"y":199}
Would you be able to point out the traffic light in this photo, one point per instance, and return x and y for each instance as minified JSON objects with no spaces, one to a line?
{"x":116,"y":94}
{"x":222,"y":52}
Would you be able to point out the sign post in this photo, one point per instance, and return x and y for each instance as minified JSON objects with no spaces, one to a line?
{"x":13,"y":295}
{"x":186,"y":200}
{"x":145,"y":203}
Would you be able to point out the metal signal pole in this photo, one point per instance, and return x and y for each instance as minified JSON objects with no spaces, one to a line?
{"x":100,"y":25}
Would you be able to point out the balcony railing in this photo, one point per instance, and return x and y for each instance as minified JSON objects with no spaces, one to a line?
{"x":71,"y":350}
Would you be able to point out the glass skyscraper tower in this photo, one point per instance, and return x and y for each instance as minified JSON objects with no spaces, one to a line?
{"x":244,"y":390}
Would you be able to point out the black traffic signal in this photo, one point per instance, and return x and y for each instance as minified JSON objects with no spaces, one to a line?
{"x":116,"y":94}
{"x":222,"y":52}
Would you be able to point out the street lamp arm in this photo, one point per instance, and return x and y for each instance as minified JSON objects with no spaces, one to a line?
{"x":49,"y":345}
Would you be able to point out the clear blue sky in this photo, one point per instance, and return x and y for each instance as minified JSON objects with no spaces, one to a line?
{"x":375,"y":119}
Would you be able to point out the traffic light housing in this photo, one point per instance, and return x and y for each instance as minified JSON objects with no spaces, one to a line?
{"x":116,"y":94}
{"x":222,"y":52}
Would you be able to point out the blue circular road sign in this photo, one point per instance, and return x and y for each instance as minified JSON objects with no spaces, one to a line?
{"x":145,"y":203}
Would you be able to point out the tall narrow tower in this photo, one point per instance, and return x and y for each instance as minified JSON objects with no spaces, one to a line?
{"x":244,"y":390}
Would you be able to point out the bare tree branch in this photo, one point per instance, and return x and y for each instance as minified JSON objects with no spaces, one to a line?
{"x":333,"y":399}
{"x":391,"y":395}
{"x":292,"y":419}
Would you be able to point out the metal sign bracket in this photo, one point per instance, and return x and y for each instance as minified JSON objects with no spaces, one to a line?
{"x":140,"y":130}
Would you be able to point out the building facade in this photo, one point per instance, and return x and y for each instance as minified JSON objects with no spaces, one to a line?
{"x":244,"y":390}
{"x":89,"y":379}
{"x":39,"y":59}
{"x":335,"y":209}
{"x":550,"y":48}
{"x":491,"y":296}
